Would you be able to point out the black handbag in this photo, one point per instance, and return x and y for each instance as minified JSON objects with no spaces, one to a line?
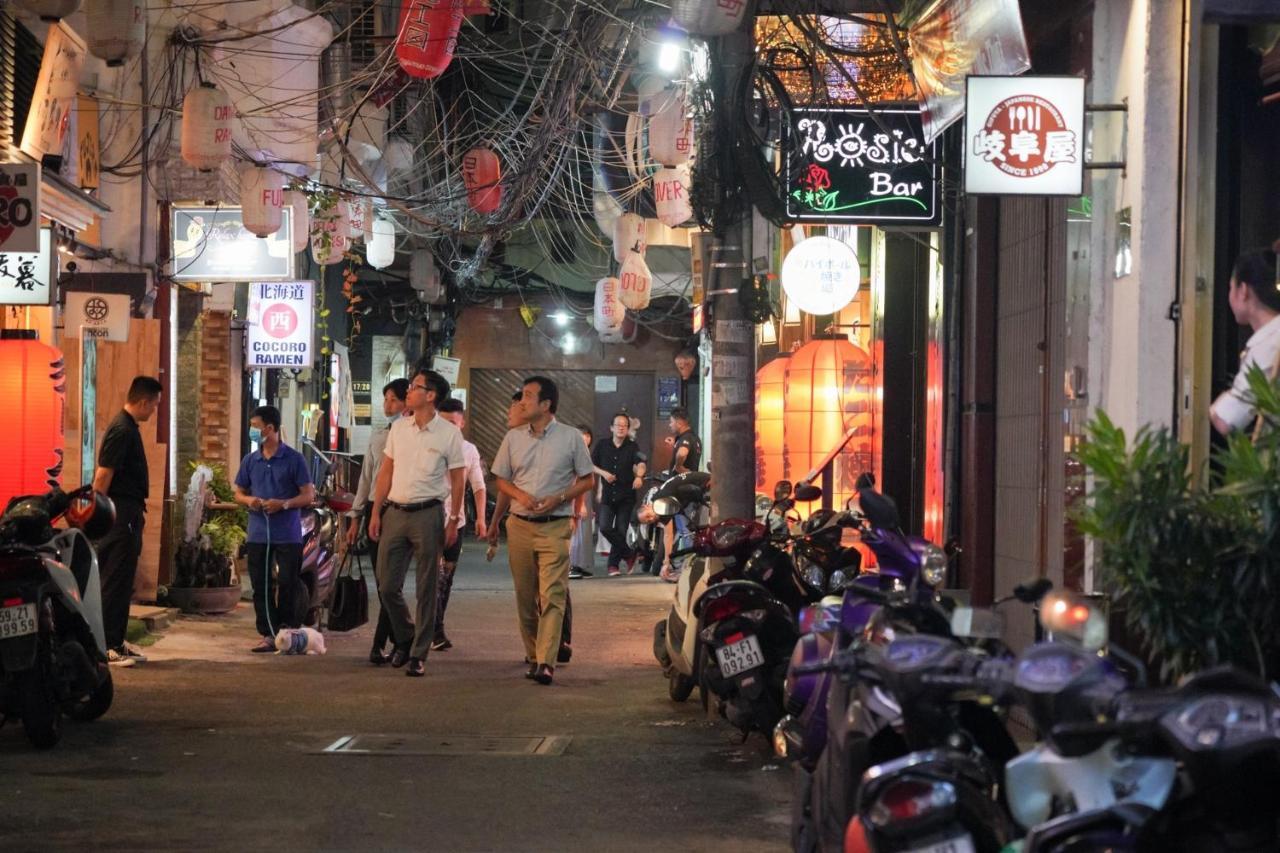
{"x":350,"y":608}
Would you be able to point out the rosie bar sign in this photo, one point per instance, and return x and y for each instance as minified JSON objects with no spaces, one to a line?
{"x":860,"y":166}
{"x":280,"y":324}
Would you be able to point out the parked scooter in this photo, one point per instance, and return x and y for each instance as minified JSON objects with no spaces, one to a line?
{"x":674,"y":644}
{"x":320,"y":540}
{"x":53,"y":656}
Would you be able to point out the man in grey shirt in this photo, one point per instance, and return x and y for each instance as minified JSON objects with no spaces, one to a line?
{"x":541,"y":467}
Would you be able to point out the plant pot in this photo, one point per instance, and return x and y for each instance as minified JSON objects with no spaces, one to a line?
{"x":205,"y":600}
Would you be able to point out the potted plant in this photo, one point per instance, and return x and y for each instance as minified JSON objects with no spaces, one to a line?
{"x":205,"y":577}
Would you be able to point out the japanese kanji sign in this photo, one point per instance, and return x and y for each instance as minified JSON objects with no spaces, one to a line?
{"x":280,"y":324}
{"x":1024,"y":136}
{"x":821,"y":275}
{"x":19,"y":207}
{"x":25,"y":277}
{"x":860,"y":166}
{"x":104,"y":316}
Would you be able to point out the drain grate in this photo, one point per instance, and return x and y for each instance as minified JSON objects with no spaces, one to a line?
{"x":416,"y":744}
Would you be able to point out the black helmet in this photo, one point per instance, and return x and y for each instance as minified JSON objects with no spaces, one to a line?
{"x":93,"y":512}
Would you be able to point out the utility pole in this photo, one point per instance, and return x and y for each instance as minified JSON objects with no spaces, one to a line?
{"x":733,"y":370}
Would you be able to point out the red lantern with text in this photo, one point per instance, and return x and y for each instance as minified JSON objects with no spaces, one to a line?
{"x":481,"y":173}
{"x":33,"y":379}
{"x":827,"y":391}
{"x":428,"y":35}
{"x":770,"y":419}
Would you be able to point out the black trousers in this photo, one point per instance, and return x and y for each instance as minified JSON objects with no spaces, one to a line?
{"x":118,"y":553}
{"x":382,"y":631}
{"x":448,"y":566}
{"x":279,"y":604}
{"x":613,"y":518}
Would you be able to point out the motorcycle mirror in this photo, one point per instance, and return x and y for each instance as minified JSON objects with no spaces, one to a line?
{"x":782,"y":490}
{"x":806,"y":492}
{"x":977,"y":623}
{"x":1029,"y":592}
{"x":666,"y":507}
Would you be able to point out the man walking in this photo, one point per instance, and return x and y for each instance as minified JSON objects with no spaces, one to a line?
{"x":274,"y":483}
{"x":453,"y":412}
{"x":422,"y":468}
{"x":393,"y":397}
{"x":122,"y":475}
{"x":619,"y":463}
{"x":541,"y":467}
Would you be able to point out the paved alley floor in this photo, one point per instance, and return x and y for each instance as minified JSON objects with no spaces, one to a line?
{"x":210,"y":748}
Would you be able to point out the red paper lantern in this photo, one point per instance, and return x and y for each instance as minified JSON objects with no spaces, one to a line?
{"x":770,"y":420}
{"x":33,"y":379}
{"x":428,"y":35}
{"x":481,"y":173}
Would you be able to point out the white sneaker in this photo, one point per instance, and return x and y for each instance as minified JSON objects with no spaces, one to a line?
{"x":114,"y":658}
{"x":133,"y":652}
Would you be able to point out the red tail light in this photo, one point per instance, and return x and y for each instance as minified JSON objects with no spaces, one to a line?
{"x":855,"y":838}
{"x":909,"y":799}
{"x":720,"y":609}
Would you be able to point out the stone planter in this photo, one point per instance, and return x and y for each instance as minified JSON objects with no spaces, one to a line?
{"x":205,"y":600}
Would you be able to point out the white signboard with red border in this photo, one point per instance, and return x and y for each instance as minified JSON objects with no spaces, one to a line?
{"x":1024,"y":136}
{"x":281,"y":324}
{"x":20,"y":207}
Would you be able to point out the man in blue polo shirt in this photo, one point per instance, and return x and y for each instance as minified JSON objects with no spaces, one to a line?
{"x":274,"y":484}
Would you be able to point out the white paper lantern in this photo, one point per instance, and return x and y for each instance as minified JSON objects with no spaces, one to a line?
{"x":708,"y":17}
{"x":116,"y":29}
{"x":206,"y":127}
{"x":671,"y":196}
{"x":424,"y":277}
{"x":330,"y":235}
{"x":609,"y":311}
{"x":670,"y":129}
{"x":628,"y":236}
{"x":361,"y":211}
{"x":261,"y":200}
{"x":51,"y":10}
{"x":821,"y":275}
{"x":299,"y":219}
{"x":380,"y":248}
{"x":635,"y":282}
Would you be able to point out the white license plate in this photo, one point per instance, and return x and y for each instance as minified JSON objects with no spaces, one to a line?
{"x":17,"y":621}
{"x":959,"y":844}
{"x":740,"y":656}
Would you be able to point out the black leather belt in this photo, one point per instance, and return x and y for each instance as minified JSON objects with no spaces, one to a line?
{"x":414,"y":507}
{"x":541,"y":519}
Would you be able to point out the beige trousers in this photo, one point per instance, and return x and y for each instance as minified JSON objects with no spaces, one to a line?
{"x":539,"y":556}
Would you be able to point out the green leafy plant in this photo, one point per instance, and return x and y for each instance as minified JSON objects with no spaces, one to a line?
{"x":208,"y":559}
{"x":1195,"y":566}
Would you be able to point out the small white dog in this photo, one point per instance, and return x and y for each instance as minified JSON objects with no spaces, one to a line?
{"x":299,"y":641}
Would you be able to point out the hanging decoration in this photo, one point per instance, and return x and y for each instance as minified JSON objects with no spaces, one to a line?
{"x":115,"y":30}
{"x":428,"y":36}
{"x":34,"y":374}
{"x":330,"y":231}
{"x":635,"y":282}
{"x":261,"y":200}
{"x":380,"y":248}
{"x":708,"y":17}
{"x":628,"y":236}
{"x":770,"y":420}
{"x":671,"y":130}
{"x":206,"y":127}
{"x":360,"y":210}
{"x":299,"y":219}
{"x":481,"y":173}
{"x":609,"y":310}
{"x":671,"y":194}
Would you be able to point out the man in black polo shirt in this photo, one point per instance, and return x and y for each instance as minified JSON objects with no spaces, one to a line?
{"x":122,"y":475}
{"x":620,"y":466}
{"x":686,"y":447}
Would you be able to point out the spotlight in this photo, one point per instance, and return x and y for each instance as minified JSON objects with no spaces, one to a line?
{"x":672,"y":43}
{"x":562,"y":318}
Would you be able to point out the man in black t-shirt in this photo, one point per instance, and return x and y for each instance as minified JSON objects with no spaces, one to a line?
{"x":122,"y":475}
{"x":620,"y":465}
{"x":686,"y":453}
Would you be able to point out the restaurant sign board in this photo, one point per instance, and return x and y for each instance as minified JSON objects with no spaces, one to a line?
{"x":1024,"y":136}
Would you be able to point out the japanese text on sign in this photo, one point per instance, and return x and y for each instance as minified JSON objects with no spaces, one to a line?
{"x":280,"y":324}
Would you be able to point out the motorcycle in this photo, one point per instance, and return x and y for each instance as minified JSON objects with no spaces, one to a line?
{"x":53,"y":655}
{"x":320,"y":538}
{"x":674,"y":644}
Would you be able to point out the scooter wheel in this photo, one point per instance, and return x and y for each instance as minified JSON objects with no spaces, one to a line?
{"x":99,"y":700}
{"x":679,"y":687}
{"x":41,"y":716}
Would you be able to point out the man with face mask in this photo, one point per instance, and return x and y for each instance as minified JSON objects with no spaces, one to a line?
{"x":274,"y":483}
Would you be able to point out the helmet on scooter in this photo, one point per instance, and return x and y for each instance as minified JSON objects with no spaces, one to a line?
{"x":93,"y":512}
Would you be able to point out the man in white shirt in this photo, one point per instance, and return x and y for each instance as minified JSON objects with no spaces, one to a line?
{"x":422,"y":468}
{"x":454,"y":412}
{"x":1255,"y":302}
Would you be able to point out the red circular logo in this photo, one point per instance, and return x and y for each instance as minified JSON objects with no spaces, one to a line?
{"x":280,"y":320}
{"x":1025,"y":136}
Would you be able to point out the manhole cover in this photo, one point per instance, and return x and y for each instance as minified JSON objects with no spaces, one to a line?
{"x":447,"y":745}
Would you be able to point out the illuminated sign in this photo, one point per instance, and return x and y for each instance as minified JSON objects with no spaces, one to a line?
{"x":280,"y":324}
{"x":821,"y":275}
{"x":212,"y":244}
{"x":26,"y":277}
{"x":1024,"y":136}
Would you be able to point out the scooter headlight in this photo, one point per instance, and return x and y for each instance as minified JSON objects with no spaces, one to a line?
{"x":816,"y":578}
{"x":933,"y":565}
{"x":838,"y":579}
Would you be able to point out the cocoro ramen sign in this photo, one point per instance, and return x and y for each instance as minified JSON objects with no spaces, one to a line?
{"x":1024,"y":136}
{"x":280,"y":324}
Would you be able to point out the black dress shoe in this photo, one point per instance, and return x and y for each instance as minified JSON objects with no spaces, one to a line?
{"x":544,"y":673}
{"x":416,"y":668}
{"x":377,"y":658}
{"x":566,"y":653}
{"x":399,"y":656}
{"x":531,"y":671}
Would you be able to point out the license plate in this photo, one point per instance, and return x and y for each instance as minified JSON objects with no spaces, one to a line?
{"x":740,"y":656}
{"x":17,"y":621}
{"x":958,"y":844}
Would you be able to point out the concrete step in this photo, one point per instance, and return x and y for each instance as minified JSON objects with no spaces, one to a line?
{"x":155,"y":618}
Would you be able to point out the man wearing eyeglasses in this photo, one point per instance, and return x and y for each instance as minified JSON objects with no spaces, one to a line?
{"x":422,"y":469}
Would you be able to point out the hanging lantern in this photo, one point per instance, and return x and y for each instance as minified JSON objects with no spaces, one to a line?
{"x":708,"y":17}
{"x":360,"y":211}
{"x":770,"y":382}
{"x":380,"y":249}
{"x":670,"y":129}
{"x":50,"y":10}
{"x":671,"y":194}
{"x":628,"y":236}
{"x":206,"y":127}
{"x":635,"y":282}
{"x":481,"y":173}
{"x":115,"y":30}
{"x":33,"y":379}
{"x":261,"y":200}
{"x":299,"y":219}
{"x":609,"y":311}
{"x":330,"y":234}
{"x":827,"y":391}
{"x":428,"y":35}
{"x":424,"y":276}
